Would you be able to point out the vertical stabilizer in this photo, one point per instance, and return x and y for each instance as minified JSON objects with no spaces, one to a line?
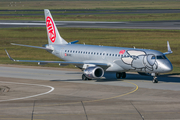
{"x":52,"y":31}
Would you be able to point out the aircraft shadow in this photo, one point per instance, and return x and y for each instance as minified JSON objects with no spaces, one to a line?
{"x":136,"y":77}
{"x":162,"y":78}
{"x":66,"y":80}
{"x":75,"y":73}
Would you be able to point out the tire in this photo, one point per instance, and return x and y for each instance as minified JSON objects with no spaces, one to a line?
{"x":118,"y":75}
{"x":83,"y":77}
{"x":123,"y":75}
{"x":155,"y":81}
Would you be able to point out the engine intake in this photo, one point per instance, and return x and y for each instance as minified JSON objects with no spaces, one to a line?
{"x":93,"y":72}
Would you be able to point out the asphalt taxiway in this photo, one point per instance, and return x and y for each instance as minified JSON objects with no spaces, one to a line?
{"x":172,"y":24}
{"x":56,"y":93}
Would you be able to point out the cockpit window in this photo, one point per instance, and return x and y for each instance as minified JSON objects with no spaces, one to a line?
{"x":153,"y":57}
{"x":161,"y":57}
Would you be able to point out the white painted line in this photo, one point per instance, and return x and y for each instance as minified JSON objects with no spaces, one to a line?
{"x":52,"y":88}
{"x":22,"y":24}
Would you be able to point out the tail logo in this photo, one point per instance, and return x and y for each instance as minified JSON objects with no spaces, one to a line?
{"x":51,"y":29}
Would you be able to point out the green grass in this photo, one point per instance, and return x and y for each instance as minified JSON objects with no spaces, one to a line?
{"x":98,"y":17}
{"x":149,"y":39}
{"x":90,"y":4}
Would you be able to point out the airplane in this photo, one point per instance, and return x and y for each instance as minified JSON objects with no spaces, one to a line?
{"x":95,"y":60}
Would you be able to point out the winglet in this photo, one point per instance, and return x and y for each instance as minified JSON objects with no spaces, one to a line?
{"x":169,"y":49}
{"x":9,"y":55}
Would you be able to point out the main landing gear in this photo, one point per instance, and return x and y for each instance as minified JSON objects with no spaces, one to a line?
{"x":120,"y":75}
{"x":85,"y":78}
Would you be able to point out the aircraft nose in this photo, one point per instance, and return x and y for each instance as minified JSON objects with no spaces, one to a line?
{"x":167,"y":67}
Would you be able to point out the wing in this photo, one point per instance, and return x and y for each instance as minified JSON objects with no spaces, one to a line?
{"x":103,"y":65}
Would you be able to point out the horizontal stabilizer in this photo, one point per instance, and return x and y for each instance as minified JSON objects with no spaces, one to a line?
{"x":32,"y":46}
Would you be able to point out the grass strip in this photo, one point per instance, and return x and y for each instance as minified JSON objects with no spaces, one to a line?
{"x":148,"y":39}
{"x":86,"y":4}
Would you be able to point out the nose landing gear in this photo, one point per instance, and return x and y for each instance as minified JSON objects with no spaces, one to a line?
{"x":155,"y":80}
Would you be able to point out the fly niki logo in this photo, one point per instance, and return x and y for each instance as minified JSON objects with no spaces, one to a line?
{"x":122,"y":52}
{"x":51,"y":29}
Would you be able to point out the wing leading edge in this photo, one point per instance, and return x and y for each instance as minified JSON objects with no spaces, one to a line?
{"x":104,"y":65}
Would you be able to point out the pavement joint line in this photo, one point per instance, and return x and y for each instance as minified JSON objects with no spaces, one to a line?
{"x":89,"y":114}
{"x":146,"y":113}
{"x":52,"y":89}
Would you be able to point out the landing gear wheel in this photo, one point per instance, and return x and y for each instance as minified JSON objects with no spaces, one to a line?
{"x":84,"y":77}
{"x":155,"y":80}
{"x":118,"y":75}
{"x":123,"y":75}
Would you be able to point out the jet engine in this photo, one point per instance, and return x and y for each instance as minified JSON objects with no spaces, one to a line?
{"x":93,"y":72}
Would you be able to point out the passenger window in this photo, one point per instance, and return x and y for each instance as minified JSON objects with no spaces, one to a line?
{"x":97,"y":53}
{"x":89,"y":53}
{"x":109,"y":54}
{"x":65,"y":50}
{"x":112,"y":54}
{"x":116,"y":55}
{"x":100,"y":53}
{"x":103,"y":53}
{"x":94,"y":53}
{"x":71,"y":51}
{"x":68,"y":50}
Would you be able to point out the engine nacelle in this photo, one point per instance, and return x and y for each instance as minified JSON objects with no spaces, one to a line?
{"x":93,"y":72}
